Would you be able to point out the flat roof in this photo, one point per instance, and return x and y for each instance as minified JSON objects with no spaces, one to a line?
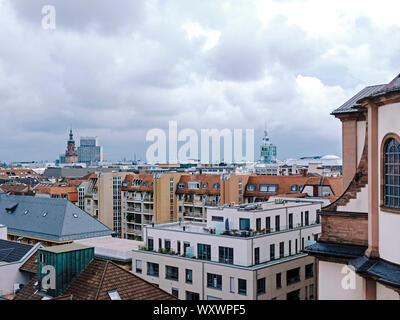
{"x":65,"y":248}
{"x":111,"y":243}
{"x":112,"y":248}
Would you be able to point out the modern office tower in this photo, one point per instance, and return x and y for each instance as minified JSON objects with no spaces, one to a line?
{"x":241,"y":252}
{"x":89,"y":151}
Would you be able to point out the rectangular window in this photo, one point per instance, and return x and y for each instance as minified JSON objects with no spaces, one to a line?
{"x":302,"y":219}
{"x":192,"y":295}
{"x":277,"y":223}
{"x":261,"y":286}
{"x":178,"y":247}
{"x":290,"y":220}
{"x":279,"y":280}
{"x":258,"y":224}
{"x":272,"y":252}
{"x":138,"y":266}
{"x":242,"y":286}
{"x":214,"y":281}
{"x":204,"y":251}
{"x":152,"y":269}
{"x":244,"y":224}
{"x":167,"y":244}
{"x":226,"y":255}
{"x":309,"y":270}
{"x":150,"y":244}
{"x":159,"y":243}
{"x":307,"y":222}
{"x":268,"y":188}
{"x":268,"y":224}
{"x":189,"y":276}
{"x":257,"y":256}
{"x":311,"y":291}
{"x":297,"y":245}
{"x":217,"y":219}
{"x":185,"y":246}
{"x":290,"y":247}
{"x":175,"y":292}
{"x":281,"y":249}
{"x":171,"y":273}
{"x":292,"y":276}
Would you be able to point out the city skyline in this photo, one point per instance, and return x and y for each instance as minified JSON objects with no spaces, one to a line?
{"x":146,"y":64}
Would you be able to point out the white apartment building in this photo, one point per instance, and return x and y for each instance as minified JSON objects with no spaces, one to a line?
{"x":244,"y":252}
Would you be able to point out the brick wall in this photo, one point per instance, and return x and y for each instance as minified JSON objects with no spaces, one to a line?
{"x":347,"y":228}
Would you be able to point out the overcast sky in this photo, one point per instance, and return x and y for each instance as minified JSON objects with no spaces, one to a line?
{"x":115,"y":69}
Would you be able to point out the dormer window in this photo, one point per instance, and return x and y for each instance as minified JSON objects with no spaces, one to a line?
{"x":392,"y":174}
{"x":216,"y":186}
{"x":268,"y":188}
{"x":181,"y":185}
{"x":205,"y":185}
{"x":293,"y":188}
{"x":194,"y":185}
{"x":251,"y":188}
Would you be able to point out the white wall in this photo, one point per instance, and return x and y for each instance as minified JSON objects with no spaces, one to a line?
{"x":9,"y":275}
{"x":330,"y":278}
{"x":361,"y":126}
{"x":389,"y":223}
{"x":385,"y":293}
{"x":360,"y":204}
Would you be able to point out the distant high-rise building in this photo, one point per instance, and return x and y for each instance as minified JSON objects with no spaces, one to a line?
{"x":89,"y":152}
{"x":71,"y":155}
{"x":268,"y":150}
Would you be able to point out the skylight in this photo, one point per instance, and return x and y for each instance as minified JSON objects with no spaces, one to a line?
{"x":114,"y":295}
{"x":44,"y":214}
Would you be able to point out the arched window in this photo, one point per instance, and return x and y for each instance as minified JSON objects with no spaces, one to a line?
{"x":392,"y":174}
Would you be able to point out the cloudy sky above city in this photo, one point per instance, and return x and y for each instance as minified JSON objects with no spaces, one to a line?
{"x":116,"y":69}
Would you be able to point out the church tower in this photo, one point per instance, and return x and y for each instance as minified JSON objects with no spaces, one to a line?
{"x":71,"y":155}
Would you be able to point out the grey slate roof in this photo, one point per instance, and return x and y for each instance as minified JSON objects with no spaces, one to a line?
{"x":47,"y":218}
{"x":11,"y":251}
{"x":349,"y":106}
{"x":384,"y":272}
{"x":336,"y":250}
{"x":392,"y":86}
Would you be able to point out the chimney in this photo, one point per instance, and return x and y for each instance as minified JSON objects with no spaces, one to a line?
{"x":58,"y":266}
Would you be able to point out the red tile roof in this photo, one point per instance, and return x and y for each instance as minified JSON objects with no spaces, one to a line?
{"x":210,"y":179}
{"x":284,"y":184}
{"x":71,"y":191}
{"x":148,"y":178}
{"x":30,"y":265}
